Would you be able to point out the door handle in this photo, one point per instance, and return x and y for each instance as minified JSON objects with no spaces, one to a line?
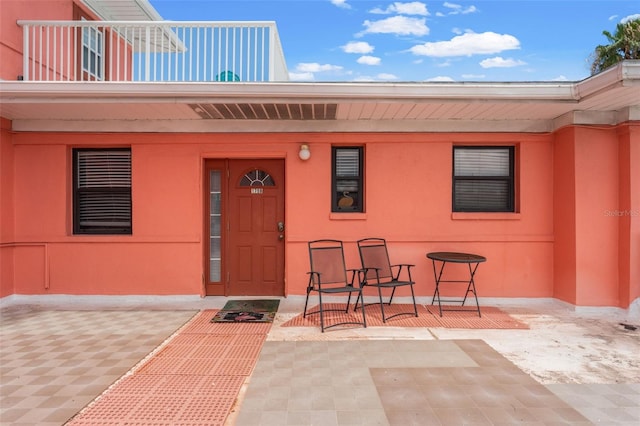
{"x":280,"y":226}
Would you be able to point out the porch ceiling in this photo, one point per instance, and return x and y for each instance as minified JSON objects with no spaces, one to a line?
{"x":608,"y":98}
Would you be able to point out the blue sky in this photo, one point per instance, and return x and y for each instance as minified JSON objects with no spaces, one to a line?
{"x":480,"y":40}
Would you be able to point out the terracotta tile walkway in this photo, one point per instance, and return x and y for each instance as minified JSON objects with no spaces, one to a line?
{"x":194,"y":378}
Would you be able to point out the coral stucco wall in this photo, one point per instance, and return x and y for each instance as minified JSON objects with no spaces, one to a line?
{"x":408,"y":202}
{"x":575,"y":235}
{"x":629,"y":214}
{"x":6,"y":209}
{"x":564,"y":217}
{"x":596,"y":216}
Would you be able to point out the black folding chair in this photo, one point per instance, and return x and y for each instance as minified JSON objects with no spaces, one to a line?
{"x":329,"y":275}
{"x":381,"y":274}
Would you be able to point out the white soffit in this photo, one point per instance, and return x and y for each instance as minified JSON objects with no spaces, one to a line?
{"x":124,"y":10}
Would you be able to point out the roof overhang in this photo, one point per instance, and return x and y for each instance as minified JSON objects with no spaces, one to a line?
{"x":132,"y":11}
{"x":608,"y":98}
{"x":123,"y":10}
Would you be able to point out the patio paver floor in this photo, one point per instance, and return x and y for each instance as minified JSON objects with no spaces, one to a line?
{"x":57,"y":358}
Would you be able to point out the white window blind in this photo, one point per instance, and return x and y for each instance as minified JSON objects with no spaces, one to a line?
{"x":103,"y":191}
{"x":482,"y":162}
{"x":483,"y":179}
{"x":347,"y":162}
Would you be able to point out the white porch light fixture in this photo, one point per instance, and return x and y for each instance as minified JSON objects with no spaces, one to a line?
{"x":304,"y":153}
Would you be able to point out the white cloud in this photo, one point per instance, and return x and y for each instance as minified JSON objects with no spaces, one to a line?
{"x":400,"y":25}
{"x":560,"y":78}
{"x":301,"y":76}
{"x":440,"y":78}
{"x":468,"y":44}
{"x":387,"y":76}
{"x":305,"y":71}
{"x":341,"y":3}
{"x":412,"y":8}
{"x":316,"y":67}
{"x":368,"y":60}
{"x":360,"y":47}
{"x":457,"y":9}
{"x":499,"y":62}
{"x":630,"y":18}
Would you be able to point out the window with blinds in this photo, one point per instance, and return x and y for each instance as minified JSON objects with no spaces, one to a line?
{"x":102,"y":191}
{"x":347,"y":182}
{"x":483,"y":179}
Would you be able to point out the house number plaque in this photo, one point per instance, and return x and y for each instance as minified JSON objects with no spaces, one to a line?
{"x":256,"y":190}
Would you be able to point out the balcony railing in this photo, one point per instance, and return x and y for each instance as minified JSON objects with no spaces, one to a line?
{"x":152,"y":51}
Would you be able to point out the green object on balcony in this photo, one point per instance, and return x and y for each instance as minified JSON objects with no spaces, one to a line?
{"x":227,"y":76}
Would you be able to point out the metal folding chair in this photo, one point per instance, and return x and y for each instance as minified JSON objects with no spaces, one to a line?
{"x":381,"y":274}
{"x":329,"y":276}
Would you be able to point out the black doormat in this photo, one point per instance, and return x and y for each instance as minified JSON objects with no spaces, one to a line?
{"x":262,"y":310}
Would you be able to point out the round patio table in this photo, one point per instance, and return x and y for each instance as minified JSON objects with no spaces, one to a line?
{"x":444,"y":257}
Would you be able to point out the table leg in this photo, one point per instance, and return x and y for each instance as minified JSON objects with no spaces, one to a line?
{"x":472,"y":286}
{"x":437,"y":277}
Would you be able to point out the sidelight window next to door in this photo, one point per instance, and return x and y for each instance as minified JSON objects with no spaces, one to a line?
{"x":215,"y":228}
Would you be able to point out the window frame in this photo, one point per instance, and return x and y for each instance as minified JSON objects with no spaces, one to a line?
{"x":77,"y":192}
{"x":358,"y":205}
{"x":510,"y":179}
{"x":92,"y":51}
{"x":81,"y":72}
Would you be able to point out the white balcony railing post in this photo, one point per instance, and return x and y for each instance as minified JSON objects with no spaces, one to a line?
{"x":26,"y":54}
{"x":152,"y":51}
{"x":147,"y":55}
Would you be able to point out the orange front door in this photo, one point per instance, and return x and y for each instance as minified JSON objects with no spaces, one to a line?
{"x":245,"y":227}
